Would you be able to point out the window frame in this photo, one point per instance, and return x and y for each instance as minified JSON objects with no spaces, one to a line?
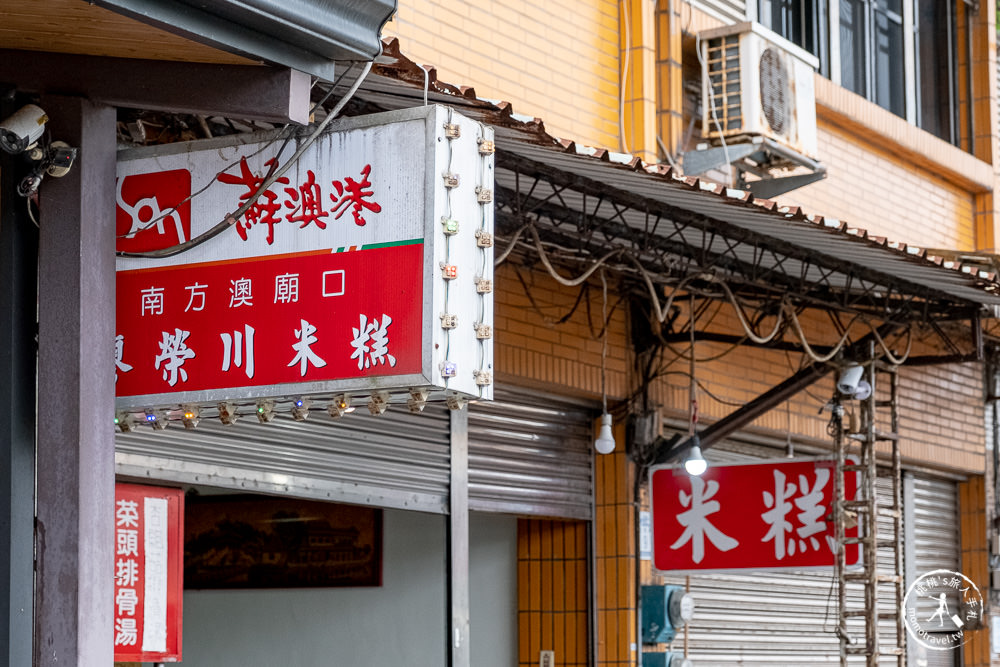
{"x":827,"y":38}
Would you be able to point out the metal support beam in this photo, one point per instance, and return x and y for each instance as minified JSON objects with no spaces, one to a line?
{"x":240,"y":91}
{"x":458,"y":540}
{"x":18,"y":299}
{"x":75,"y":485}
{"x":771,"y":398}
{"x":736,"y":420}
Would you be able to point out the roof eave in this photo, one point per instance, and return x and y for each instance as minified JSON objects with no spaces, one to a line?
{"x":305,"y":35}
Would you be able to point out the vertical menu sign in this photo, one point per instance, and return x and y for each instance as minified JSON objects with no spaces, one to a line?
{"x":149,"y":551}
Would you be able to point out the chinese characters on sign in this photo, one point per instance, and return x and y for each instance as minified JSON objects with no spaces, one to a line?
{"x":304,"y":202}
{"x":148,"y":570}
{"x":755,"y":516}
{"x":276,"y":321}
{"x":328,"y":279}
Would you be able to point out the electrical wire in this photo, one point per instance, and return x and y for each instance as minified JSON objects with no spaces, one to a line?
{"x":427,"y":80}
{"x":704,"y":389}
{"x":786,"y":312}
{"x":287,"y":130}
{"x":273,"y":175}
{"x":568,"y":282}
{"x":604,"y":343}
{"x":510,"y":247}
{"x":31,"y":214}
{"x":623,"y":144}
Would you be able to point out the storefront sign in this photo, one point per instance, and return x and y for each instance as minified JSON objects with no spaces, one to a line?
{"x":338,"y":278}
{"x":761,"y":516}
{"x":149,"y":554}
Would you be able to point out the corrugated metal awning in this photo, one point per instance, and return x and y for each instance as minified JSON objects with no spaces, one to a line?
{"x":689,"y":224}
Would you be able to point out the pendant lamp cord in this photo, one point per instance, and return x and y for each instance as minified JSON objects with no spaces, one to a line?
{"x":604,"y":342}
{"x":693,"y":390}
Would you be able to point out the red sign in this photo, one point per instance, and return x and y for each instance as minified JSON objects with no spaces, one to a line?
{"x":275,"y":320}
{"x":154,"y":210}
{"x":772,"y":515}
{"x":149,"y":551}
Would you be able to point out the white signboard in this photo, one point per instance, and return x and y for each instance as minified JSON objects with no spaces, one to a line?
{"x":367,"y":266}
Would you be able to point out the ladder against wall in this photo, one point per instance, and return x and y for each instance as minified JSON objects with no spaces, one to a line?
{"x":856,"y":455}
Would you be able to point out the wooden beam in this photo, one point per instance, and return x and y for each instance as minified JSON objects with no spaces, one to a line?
{"x":277,"y":95}
{"x":74,"y":534}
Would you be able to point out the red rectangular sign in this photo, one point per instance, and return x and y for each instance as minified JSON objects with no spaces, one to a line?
{"x":149,"y":585}
{"x":274,"y":320}
{"x":761,"y":516}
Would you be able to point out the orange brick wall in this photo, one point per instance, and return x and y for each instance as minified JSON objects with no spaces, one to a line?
{"x":615,"y":557}
{"x":552,"y":591}
{"x":872,"y":189}
{"x":975,"y":562}
{"x":533,"y":348}
{"x":558,"y":60}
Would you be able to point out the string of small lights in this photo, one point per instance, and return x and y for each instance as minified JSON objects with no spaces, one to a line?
{"x":484,"y":242}
{"x":449,"y":271}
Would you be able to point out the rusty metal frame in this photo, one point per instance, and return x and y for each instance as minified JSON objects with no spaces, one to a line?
{"x":675,"y":243}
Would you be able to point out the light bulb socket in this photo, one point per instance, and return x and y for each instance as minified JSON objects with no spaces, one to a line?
{"x":605,"y":443}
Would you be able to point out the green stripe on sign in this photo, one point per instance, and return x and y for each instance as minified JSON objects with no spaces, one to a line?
{"x":391,"y":244}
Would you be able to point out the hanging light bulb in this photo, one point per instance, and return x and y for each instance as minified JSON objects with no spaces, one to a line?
{"x":605,"y":443}
{"x":695,"y":464}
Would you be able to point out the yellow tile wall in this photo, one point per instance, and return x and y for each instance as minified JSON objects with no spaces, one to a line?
{"x":552,"y":591}
{"x":975,"y":562}
{"x":615,"y":557}
{"x":875,"y":190}
{"x":534,"y":348}
{"x":558,"y":60}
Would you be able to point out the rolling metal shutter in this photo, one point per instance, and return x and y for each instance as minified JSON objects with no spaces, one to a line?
{"x":776,"y":618}
{"x":932,"y":539}
{"x":397,"y":460}
{"x":531,"y":454}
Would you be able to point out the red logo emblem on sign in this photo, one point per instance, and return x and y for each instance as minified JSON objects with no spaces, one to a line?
{"x":153,"y":210}
{"x":772,"y":515}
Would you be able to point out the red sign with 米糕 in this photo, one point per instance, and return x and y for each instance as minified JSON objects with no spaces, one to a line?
{"x":149,"y":586}
{"x":760,"y":516}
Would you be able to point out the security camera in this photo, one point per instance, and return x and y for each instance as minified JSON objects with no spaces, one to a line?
{"x":850,"y":376}
{"x":22,"y":129}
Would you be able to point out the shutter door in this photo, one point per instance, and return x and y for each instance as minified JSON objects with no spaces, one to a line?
{"x":397,"y":459}
{"x":776,"y":618}
{"x":531,"y":454}
{"x":932,"y":544}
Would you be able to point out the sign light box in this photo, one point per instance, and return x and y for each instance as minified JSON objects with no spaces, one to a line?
{"x":366,"y":267}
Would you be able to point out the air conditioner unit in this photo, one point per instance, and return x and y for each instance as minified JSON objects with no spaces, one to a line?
{"x":757,"y":84}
